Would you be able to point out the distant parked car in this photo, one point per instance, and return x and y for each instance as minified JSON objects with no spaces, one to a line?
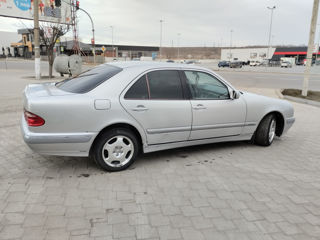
{"x":286,"y":64}
{"x":190,"y":62}
{"x":224,"y":64}
{"x":255,"y":63}
{"x":236,"y":64}
{"x":274,"y":63}
{"x":305,"y":62}
{"x":264,"y":63}
{"x":170,"y":61}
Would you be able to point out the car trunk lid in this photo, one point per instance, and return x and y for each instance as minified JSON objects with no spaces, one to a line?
{"x":33,"y":93}
{"x":44,"y":90}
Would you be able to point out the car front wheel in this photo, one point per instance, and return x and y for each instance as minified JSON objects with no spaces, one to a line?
{"x":266,"y":131}
{"x":116,"y":149}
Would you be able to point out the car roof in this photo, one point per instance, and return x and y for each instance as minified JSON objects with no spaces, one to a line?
{"x":146,"y":65}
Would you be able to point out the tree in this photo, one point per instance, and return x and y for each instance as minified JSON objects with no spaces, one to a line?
{"x":49,"y":34}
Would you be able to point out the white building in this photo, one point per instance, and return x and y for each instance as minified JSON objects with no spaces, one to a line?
{"x":6,"y":38}
{"x":246,"y":54}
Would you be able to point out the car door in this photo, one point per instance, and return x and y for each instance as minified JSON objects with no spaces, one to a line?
{"x":214,"y":113}
{"x":157,"y":102}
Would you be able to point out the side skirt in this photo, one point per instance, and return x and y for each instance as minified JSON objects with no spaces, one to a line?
{"x":165,"y":146}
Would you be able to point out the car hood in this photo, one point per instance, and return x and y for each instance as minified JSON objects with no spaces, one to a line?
{"x":254,"y":96}
{"x":259,"y":103}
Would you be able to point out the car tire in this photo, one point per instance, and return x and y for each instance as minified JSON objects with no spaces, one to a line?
{"x":116,"y":149}
{"x":266,"y":131}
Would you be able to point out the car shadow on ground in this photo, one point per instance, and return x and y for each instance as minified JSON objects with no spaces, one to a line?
{"x":84,"y":166}
{"x":191,"y":151}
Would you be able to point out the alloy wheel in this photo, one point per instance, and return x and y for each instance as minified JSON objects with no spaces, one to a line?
{"x":118,"y":151}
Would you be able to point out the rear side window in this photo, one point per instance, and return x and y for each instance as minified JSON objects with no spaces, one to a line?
{"x":89,"y":80}
{"x":139,"y":90}
{"x":165,"y":84}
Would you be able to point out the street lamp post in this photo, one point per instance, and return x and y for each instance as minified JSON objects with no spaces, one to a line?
{"x":178,"y":45}
{"x":160,"y":51}
{"x":230,"y":45}
{"x":112,"y":41}
{"x":270,"y":28}
{"x":272,"y":40}
{"x":93,"y":39}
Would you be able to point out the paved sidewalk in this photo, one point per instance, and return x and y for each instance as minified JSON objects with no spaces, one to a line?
{"x":218,"y":191}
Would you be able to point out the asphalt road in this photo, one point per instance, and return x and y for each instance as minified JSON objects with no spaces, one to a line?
{"x":269,"y":80}
{"x":254,"y":78}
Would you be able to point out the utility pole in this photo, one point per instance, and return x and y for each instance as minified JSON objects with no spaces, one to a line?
{"x":310,"y":47}
{"x":178,"y":44}
{"x":230,"y":45}
{"x":160,"y":52}
{"x":270,"y":28}
{"x":37,"y":63}
{"x":112,"y":40}
{"x":318,"y":44}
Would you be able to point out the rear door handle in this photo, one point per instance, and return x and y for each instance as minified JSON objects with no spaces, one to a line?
{"x":140,"y":108}
{"x":199,"y":107}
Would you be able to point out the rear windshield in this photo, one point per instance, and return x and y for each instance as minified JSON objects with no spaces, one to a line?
{"x":88,"y":80}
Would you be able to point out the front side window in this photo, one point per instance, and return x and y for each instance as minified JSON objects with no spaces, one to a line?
{"x":165,"y":84}
{"x":205,"y":86}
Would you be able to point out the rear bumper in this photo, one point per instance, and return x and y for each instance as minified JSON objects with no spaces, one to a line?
{"x":63,"y":144}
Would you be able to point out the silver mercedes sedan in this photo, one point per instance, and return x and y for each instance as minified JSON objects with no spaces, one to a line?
{"x":115,"y":111}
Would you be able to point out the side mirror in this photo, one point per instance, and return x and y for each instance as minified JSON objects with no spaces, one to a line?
{"x":235,"y":94}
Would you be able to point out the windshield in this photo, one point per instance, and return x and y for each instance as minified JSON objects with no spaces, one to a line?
{"x":88,"y":80}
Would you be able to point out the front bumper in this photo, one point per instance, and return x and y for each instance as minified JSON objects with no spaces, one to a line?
{"x":63,"y":144}
{"x":288,"y":124}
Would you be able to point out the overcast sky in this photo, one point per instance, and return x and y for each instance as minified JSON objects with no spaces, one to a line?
{"x":200,"y":22}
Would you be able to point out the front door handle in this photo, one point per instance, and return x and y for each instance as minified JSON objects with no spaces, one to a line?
{"x":199,"y":107}
{"x":140,"y":108}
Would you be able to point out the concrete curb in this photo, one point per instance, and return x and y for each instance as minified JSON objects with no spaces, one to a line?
{"x":298,"y":100}
{"x":279,"y":93}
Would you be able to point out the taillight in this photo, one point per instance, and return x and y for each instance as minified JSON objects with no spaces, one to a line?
{"x":33,"y":120}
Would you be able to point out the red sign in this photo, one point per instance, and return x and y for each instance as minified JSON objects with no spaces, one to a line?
{"x":92,"y":41}
{"x":292,"y":53}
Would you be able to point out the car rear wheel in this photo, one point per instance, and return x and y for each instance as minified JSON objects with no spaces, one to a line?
{"x":266,"y":131}
{"x":116,"y":149}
